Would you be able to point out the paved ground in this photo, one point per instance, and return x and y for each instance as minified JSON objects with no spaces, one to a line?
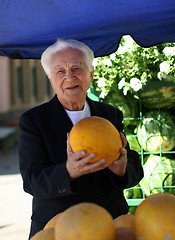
{"x":15,"y":204}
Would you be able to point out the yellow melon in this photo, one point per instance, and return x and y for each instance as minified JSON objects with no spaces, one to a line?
{"x":155,"y":217}
{"x":125,"y":233}
{"x":47,"y":234}
{"x":125,"y":220}
{"x":51,"y":223}
{"x":96,"y":135}
{"x":85,"y":221}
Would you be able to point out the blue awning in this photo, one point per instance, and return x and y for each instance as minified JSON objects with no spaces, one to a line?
{"x":28,"y":27}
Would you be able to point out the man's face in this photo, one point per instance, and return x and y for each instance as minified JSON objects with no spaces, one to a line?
{"x":70,"y":77}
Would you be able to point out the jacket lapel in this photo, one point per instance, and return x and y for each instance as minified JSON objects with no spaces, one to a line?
{"x":95,"y":110}
{"x":58,"y":119}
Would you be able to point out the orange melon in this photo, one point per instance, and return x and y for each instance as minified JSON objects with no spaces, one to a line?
{"x":47,"y":234}
{"x":51,"y":223}
{"x":85,"y":221}
{"x":125,"y":220}
{"x":125,"y":233}
{"x":155,"y":217}
{"x":96,"y":135}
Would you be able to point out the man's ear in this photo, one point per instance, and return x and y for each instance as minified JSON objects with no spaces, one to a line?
{"x":92,"y":75}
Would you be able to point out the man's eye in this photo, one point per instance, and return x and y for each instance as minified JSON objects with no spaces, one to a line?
{"x":60,"y":71}
{"x":76,"y":69}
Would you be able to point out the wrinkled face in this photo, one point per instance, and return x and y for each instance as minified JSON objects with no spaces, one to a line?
{"x":70,"y":77}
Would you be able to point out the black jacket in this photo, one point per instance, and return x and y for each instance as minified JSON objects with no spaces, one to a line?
{"x":42,"y":155}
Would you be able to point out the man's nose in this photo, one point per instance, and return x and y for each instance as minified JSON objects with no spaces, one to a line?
{"x":69,"y":76}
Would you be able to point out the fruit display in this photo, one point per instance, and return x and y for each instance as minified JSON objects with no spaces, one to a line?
{"x":132,"y":139}
{"x":158,"y":174}
{"x":126,"y":105}
{"x":154,"y":219}
{"x":125,"y":220}
{"x":96,"y":135}
{"x":153,"y":137}
{"x":52,"y":222}
{"x":156,"y":132}
{"x":45,"y":234}
{"x":125,"y":233}
{"x":161,"y":97}
{"x":85,"y":221}
{"x":125,"y":227}
{"x":133,"y":192}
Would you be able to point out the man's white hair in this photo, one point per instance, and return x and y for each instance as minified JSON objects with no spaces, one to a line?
{"x":61,"y":44}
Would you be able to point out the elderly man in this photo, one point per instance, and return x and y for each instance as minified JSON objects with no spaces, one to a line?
{"x":56,"y":177}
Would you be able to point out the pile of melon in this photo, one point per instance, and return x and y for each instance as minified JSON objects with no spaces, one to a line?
{"x":154,"y":219}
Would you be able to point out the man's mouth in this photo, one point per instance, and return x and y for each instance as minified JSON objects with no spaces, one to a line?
{"x":72,"y":87}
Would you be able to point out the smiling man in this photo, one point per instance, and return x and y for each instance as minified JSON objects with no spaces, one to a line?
{"x":56,"y":177}
{"x":70,"y":78}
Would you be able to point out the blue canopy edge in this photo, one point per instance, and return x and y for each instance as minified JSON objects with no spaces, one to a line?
{"x":27,"y":28}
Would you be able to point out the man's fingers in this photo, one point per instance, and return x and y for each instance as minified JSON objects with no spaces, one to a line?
{"x":93,"y":167}
{"x":123,"y":138}
{"x":123,"y":151}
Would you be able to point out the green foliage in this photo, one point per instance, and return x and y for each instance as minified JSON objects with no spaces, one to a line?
{"x":126,"y":104}
{"x":131,"y":67}
{"x":135,"y":80}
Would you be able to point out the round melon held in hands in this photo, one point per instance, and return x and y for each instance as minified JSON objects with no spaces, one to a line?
{"x":96,"y":135}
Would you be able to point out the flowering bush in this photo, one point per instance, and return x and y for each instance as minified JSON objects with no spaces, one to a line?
{"x":131,"y":67}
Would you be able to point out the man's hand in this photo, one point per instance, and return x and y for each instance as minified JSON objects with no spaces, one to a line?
{"x":119,"y":166}
{"x":78,"y":166}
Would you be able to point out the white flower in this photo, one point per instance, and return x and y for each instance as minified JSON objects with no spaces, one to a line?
{"x":95,"y":62}
{"x":121,"y":50}
{"x":112,"y":56}
{"x":161,"y":75}
{"x":102,"y":94}
{"x":127,"y":47}
{"x":135,"y":84}
{"x":169,"y":51}
{"x":107,"y":62}
{"x":121,"y":83}
{"x":101,"y":82}
{"x":164,"y":67}
{"x":156,"y":52}
{"x":125,"y":90}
